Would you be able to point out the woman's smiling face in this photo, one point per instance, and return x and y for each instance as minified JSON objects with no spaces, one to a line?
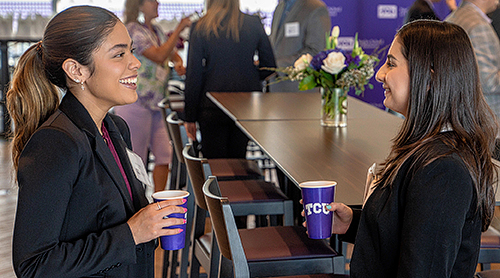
{"x":114,"y":80}
{"x":395,"y":78}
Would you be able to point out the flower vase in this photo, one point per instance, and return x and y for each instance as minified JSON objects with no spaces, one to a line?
{"x":333,"y":107}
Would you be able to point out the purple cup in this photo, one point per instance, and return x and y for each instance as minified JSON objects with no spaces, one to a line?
{"x":315,"y":196}
{"x":173,"y":242}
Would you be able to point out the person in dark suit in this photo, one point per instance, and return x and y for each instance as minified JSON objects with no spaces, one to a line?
{"x":426,"y":206}
{"x":222,"y":47}
{"x":82,"y":210}
{"x":299,"y":27}
{"x":424,"y":9}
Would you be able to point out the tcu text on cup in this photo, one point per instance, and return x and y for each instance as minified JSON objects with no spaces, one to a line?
{"x":316,"y":208}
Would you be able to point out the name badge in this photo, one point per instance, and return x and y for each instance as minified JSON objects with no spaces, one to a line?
{"x":140,"y":171}
{"x":292,"y":29}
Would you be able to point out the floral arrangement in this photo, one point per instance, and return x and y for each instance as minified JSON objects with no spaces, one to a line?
{"x":333,"y":68}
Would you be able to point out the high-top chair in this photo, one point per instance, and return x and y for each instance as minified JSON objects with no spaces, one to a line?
{"x":226,"y":168}
{"x":490,"y":240}
{"x":267,"y":251}
{"x":247,"y":197}
{"x":488,"y":274}
{"x":490,"y":248}
{"x":176,"y":176}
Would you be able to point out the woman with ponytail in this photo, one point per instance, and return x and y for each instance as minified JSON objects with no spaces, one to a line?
{"x":434,"y":194}
{"x":82,"y":211}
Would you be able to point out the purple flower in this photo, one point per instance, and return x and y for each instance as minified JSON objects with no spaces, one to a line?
{"x":317,"y":61}
{"x":349,"y":59}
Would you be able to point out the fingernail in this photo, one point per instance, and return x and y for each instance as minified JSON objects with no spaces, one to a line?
{"x":184,"y":200}
{"x":180,"y":230}
{"x":328,"y":207}
{"x":185,"y":209}
{"x":185,"y":221}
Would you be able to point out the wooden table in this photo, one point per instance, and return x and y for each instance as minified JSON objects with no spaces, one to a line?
{"x":282,"y":106}
{"x":287,"y":128}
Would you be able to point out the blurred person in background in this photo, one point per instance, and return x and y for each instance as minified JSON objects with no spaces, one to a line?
{"x":299,"y":27}
{"x":153,"y":49}
{"x":471,"y":15}
{"x":424,"y":9}
{"x":223,"y":45}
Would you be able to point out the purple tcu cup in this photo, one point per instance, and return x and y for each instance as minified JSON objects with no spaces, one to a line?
{"x":315,"y":196}
{"x":173,"y":242}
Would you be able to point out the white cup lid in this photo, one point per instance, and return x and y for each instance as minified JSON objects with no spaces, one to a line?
{"x":317,"y":184}
{"x":170,"y":195}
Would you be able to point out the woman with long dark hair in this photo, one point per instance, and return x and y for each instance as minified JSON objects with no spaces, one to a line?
{"x":82,"y":209}
{"x":433,"y":194}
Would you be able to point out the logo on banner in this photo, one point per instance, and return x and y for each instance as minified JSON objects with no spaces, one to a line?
{"x":334,"y":11}
{"x":345,"y":43}
{"x":387,"y":11}
{"x":316,"y":208}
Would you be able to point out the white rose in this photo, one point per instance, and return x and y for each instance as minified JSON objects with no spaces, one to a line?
{"x":302,"y":62}
{"x":334,"y":62}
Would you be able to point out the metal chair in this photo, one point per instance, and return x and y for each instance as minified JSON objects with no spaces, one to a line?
{"x":226,"y":168}
{"x":490,"y":248}
{"x":267,"y":251}
{"x":255,"y":197}
{"x":488,"y":274}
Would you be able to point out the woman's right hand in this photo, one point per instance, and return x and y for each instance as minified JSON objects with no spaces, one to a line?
{"x":342,"y":217}
{"x":148,"y":223}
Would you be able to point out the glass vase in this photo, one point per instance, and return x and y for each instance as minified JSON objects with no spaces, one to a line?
{"x":333,"y":107}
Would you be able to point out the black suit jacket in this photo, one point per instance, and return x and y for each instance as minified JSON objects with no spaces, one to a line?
{"x":420,"y":10}
{"x":73,"y":201}
{"x":426,"y":224}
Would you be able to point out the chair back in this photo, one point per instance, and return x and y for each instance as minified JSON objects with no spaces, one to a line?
{"x":226,"y":232}
{"x":178,"y":134}
{"x":165,"y":109}
{"x":194,"y":166}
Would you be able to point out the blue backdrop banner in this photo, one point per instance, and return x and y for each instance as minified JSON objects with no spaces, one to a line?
{"x":376,"y":22}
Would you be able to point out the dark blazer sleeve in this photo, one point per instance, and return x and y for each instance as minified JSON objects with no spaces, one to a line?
{"x":193,"y":91}
{"x":42,"y":244}
{"x":350,"y":235}
{"x":266,"y":54}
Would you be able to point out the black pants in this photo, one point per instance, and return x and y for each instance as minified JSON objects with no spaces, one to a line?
{"x":220,"y":137}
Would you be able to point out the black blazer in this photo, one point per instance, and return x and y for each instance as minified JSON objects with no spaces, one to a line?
{"x":426,"y":224}
{"x":73,"y":201}
{"x":223,"y":65}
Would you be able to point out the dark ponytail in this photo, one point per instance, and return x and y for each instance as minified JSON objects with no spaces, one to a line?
{"x":75,"y":33}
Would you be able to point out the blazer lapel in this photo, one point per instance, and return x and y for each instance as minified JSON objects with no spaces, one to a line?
{"x":138,"y":191}
{"x":277,"y":17}
{"x":297,"y":6}
{"x":80,"y":116}
{"x":109,"y":163}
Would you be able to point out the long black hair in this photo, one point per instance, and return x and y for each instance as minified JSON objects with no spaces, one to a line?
{"x":445,"y":93}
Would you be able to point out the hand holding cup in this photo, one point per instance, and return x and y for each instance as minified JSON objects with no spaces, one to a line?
{"x":149,"y":223}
